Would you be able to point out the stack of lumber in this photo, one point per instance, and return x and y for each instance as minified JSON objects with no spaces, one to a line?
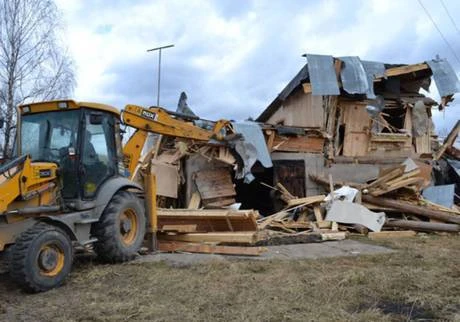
{"x":391,"y":179}
{"x":208,"y":231}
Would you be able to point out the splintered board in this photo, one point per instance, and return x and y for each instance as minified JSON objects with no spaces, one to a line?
{"x":214,"y":183}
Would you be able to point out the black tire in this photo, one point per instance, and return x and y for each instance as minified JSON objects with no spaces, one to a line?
{"x":115,"y":242}
{"x":41,"y":258}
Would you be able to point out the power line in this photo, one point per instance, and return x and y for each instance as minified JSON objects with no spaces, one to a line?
{"x":450,"y":17}
{"x":440,"y":32}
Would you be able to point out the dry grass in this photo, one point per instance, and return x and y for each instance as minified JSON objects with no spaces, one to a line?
{"x":420,"y":281}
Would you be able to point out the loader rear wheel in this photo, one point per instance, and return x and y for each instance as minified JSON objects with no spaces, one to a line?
{"x":41,"y":258}
{"x":120,"y":230}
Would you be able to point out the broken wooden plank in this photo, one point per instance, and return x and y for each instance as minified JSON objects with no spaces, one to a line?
{"x":195,"y":201}
{"x":179,"y":228}
{"x":242,"y":237}
{"x":264,"y":222}
{"x":285,"y":194}
{"x":423,"y":225}
{"x":306,"y":201}
{"x":413,"y":209}
{"x":387,"y":176}
{"x":396,"y":186}
{"x":325,"y":182}
{"x":450,"y":139}
{"x":391,"y":234}
{"x":396,"y":71}
{"x":333,"y":235}
{"x":176,"y":246}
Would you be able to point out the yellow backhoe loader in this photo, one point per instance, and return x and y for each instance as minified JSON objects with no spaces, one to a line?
{"x":70,"y":185}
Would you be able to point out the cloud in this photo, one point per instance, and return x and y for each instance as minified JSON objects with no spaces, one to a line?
{"x":233,"y":57}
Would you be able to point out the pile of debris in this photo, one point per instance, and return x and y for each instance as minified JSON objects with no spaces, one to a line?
{"x":199,"y":188}
{"x":402,"y":194}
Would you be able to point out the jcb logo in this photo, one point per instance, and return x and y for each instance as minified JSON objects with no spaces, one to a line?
{"x":149,"y":115}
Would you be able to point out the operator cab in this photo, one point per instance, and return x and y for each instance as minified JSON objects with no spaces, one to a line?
{"x":81,"y":138}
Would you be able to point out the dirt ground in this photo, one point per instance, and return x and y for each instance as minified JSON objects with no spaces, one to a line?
{"x":421,"y":281}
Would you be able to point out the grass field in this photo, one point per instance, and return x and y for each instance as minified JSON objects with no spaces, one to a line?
{"x":421,"y":281}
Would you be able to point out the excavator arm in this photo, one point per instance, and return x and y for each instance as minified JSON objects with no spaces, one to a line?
{"x":160,"y":121}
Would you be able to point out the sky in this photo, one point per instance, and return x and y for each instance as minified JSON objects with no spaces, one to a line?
{"x":233,"y":57}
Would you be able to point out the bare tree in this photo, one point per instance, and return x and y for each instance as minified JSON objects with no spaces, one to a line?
{"x":34,"y":65}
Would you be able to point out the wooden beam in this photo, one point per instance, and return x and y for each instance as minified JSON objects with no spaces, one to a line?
{"x":306,"y":201}
{"x":396,"y":71}
{"x":306,"y":88}
{"x":450,"y":139}
{"x":395,"y":186}
{"x":175,"y":246}
{"x":195,"y":201}
{"x":334,"y":235}
{"x":207,"y":213}
{"x":423,"y":225}
{"x":404,"y":206}
{"x":217,"y":237}
{"x":388,"y":176}
{"x":391,"y":234}
{"x":179,"y":228}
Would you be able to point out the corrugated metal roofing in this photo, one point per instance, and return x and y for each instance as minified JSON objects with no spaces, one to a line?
{"x":323,"y":78}
{"x":353,"y":75}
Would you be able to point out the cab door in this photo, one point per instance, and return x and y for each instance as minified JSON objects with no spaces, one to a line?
{"x":98,"y":152}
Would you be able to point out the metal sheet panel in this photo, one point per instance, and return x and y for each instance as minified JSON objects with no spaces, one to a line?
{"x":444,"y":76}
{"x":322,"y":75}
{"x":353,"y":75}
{"x":373,"y":70}
{"x":253,"y":148}
{"x":441,"y":195}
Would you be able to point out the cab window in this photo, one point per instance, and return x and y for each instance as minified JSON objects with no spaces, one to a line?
{"x":98,"y":151}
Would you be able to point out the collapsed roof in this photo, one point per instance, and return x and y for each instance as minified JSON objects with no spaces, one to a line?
{"x":327,"y":75}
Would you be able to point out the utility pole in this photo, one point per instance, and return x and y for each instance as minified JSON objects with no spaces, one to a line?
{"x":159,"y":68}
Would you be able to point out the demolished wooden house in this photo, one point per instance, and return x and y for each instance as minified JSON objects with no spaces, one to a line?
{"x":342,"y":123}
{"x":348,"y":117}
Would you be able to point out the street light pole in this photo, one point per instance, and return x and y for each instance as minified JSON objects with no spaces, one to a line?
{"x":159,"y":68}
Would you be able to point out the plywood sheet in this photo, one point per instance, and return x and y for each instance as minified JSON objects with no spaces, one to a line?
{"x":300,"y":109}
{"x":167,"y":178}
{"x":355,"y":144}
{"x":214,"y":183}
{"x":357,"y":124}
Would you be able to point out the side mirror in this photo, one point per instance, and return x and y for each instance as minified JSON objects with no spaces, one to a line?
{"x":95,"y":118}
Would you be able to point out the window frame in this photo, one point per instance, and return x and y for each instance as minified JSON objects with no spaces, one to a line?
{"x":112,"y":156}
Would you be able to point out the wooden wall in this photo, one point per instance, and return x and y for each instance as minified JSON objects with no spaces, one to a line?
{"x":300,"y":109}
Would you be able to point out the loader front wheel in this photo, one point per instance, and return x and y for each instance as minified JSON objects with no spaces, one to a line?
{"x":120,"y":230}
{"x":41,"y":258}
